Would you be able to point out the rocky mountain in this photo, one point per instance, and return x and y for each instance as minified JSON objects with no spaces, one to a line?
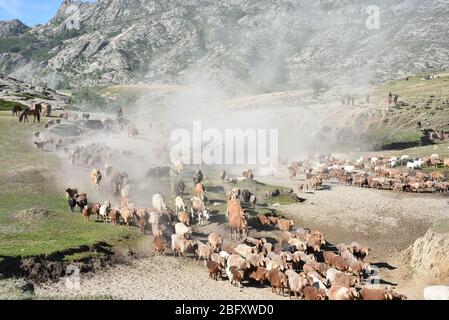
{"x":237,"y":45}
{"x":12,"y":28}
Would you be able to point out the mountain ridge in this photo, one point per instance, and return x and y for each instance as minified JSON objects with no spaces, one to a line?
{"x":239,"y":45}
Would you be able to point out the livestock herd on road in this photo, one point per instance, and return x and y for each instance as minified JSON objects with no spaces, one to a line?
{"x":374,"y":172}
{"x":298,"y":261}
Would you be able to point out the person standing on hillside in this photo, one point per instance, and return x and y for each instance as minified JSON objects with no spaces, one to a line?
{"x":119,"y":112}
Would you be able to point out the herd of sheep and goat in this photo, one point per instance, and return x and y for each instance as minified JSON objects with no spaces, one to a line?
{"x":302,"y":264}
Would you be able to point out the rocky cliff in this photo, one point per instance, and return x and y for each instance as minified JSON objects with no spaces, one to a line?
{"x":240,"y":45}
{"x":429,"y":256}
{"x":12,"y":28}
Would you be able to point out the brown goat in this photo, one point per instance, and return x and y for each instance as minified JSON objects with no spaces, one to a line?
{"x":260,"y":275}
{"x":214,"y":269}
{"x":278,"y":280}
{"x":158,"y":245}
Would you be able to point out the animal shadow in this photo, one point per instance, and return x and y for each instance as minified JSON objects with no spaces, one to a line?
{"x":384,"y":265}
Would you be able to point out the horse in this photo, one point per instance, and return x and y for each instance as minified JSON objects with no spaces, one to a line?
{"x":16,"y":110}
{"x":35,"y":112}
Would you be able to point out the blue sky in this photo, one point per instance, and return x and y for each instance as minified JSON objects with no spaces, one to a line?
{"x":31,"y":12}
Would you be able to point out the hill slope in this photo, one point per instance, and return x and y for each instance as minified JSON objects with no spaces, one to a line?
{"x":243,"y":45}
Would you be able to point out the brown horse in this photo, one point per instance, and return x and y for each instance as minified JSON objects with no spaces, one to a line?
{"x":16,"y":110}
{"x":35,"y":112}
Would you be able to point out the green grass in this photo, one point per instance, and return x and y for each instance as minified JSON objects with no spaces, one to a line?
{"x":424,"y":151}
{"x":8,"y":105}
{"x":282,"y":200}
{"x":27,"y":183}
{"x":257,"y":188}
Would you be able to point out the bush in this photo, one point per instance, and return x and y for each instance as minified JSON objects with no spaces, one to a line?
{"x":7,"y":105}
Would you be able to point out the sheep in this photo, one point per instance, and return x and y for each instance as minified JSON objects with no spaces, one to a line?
{"x":267,"y":248}
{"x":341,"y":264}
{"x":91,"y":209}
{"x":180,"y":205}
{"x":357,"y":267}
{"x":287,"y":257}
{"x":180,"y":245}
{"x":342,"y":248}
{"x":183,"y":230}
{"x":158,"y":202}
{"x":244,"y":250}
{"x":301,"y":233}
{"x":278,"y":280}
{"x":216,"y":258}
{"x":259,"y":275}
{"x":321,"y":268}
{"x":316,"y":280}
{"x":258,"y":244}
{"x":273,"y":220}
{"x":127,"y":215}
{"x":237,"y":221}
{"x":199,"y":207}
{"x":286,"y":237}
{"x":104,"y":209}
{"x":311,"y":293}
{"x":338,"y":292}
{"x":204,"y":251}
{"x":331,"y":274}
{"x":113,"y":216}
{"x":229,"y":248}
{"x":329,"y":257}
{"x":346,"y":280}
{"x":263,"y":220}
{"x":214,"y":269}
{"x":359,"y":251}
{"x":375,"y":294}
{"x":155,"y":216}
{"x":157,"y":230}
{"x":318,"y":235}
{"x":285,"y":225}
{"x":234,"y":260}
{"x":301,"y":256}
{"x":298,"y":244}
{"x":296,"y":283}
{"x":349,"y":257}
{"x":436,"y":293}
{"x":158,"y":245}
{"x":255,"y":260}
{"x":313,"y":243}
{"x":224,"y":255}
{"x":216,"y":241}
{"x":184,"y":218}
{"x":273,"y":264}
{"x":235,"y":275}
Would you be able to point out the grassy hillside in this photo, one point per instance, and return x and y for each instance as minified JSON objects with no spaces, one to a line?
{"x":34,"y":216}
{"x":421,"y":100}
{"x":7,"y":105}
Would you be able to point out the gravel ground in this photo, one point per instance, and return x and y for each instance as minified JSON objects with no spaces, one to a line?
{"x":155,"y":278}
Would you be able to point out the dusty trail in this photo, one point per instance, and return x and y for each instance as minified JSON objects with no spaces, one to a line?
{"x":385,"y":221}
{"x":156,"y":278}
